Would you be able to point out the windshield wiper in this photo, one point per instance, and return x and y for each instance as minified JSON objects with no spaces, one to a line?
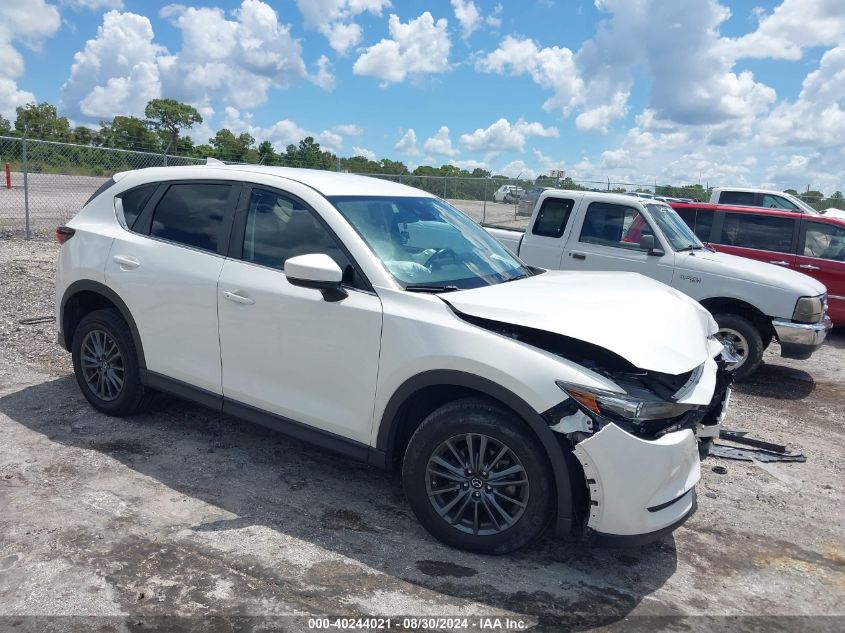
{"x":427,"y":288}
{"x":692,"y":247}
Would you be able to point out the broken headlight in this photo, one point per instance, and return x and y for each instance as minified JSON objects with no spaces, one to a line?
{"x":612,"y":405}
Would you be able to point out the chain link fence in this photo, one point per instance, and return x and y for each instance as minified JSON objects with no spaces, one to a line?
{"x":46,"y":183}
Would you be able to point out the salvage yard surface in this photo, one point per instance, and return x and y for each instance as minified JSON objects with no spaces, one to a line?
{"x":181,"y":512}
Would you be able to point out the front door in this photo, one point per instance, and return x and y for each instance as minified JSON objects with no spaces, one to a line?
{"x":284,"y":348}
{"x":608,"y":239}
{"x":821,"y":254}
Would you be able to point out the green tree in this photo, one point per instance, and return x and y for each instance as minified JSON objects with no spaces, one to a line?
{"x":266,"y":154}
{"x":791,"y":192}
{"x":227,"y":146}
{"x":85,"y":135}
{"x":837,"y":195}
{"x":128,"y":132}
{"x":5,"y":126}
{"x":41,"y":121}
{"x":168,"y":117}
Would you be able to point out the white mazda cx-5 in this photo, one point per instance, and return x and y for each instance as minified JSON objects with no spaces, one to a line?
{"x":378,"y":321}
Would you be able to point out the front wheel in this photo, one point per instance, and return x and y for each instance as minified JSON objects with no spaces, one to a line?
{"x":746,"y":341}
{"x":477,"y":479}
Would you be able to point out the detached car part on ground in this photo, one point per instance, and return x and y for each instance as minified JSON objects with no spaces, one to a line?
{"x":380,"y":322}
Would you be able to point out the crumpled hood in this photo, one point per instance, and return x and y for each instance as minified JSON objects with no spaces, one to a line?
{"x":751,"y":271}
{"x":647,"y":323}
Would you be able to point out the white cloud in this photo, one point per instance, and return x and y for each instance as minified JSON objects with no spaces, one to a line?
{"x":234,"y":60}
{"x":334,"y":19}
{"x":793,"y":26}
{"x":440,"y":143}
{"x":501,"y":136}
{"x":116,"y":72}
{"x":419,"y":47}
{"x":93,"y":5}
{"x":551,"y":68}
{"x":517,"y":169}
{"x":470,"y":164}
{"x":817,"y":117}
{"x":284,"y":132}
{"x":363,"y":151}
{"x":408,"y":144}
{"x":469,"y":17}
{"x":598,"y":118}
{"x":28,"y":22}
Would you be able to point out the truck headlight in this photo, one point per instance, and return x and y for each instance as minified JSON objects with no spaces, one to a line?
{"x":609,"y":404}
{"x":809,"y":310}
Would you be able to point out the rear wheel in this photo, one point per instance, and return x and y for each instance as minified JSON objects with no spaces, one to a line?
{"x":745,"y":338}
{"x":477,"y":479}
{"x":105,"y":363}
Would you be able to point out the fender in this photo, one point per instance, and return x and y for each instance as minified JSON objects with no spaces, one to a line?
{"x":388,"y":428}
{"x":87,"y":285}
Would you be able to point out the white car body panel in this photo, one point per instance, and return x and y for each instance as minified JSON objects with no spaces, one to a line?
{"x":624,"y":488}
{"x":576,"y":305}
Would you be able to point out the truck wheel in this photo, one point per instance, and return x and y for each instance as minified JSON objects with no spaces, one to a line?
{"x":746,"y":340}
{"x":105,"y":363}
{"x":477,"y":479}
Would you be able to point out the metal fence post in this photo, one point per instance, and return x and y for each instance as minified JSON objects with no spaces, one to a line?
{"x":484,"y":208}
{"x":25,"y":186}
{"x":445,"y":180}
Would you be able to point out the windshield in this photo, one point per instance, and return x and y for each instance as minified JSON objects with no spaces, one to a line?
{"x":674,"y":228}
{"x":428,"y":244}
{"x":806,"y":208}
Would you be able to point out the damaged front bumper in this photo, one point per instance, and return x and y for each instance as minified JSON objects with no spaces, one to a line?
{"x":639,"y":489}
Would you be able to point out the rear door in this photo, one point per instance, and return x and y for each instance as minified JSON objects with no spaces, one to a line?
{"x":765,"y":237}
{"x":605,"y":236}
{"x":543,"y":242}
{"x":166,"y":268}
{"x":821,"y":254}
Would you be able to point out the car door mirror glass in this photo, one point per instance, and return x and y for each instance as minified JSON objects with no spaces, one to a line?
{"x":649,"y":245}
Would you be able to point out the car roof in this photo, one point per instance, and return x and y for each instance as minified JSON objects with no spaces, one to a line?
{"x":328,"y":183}
{"x":755,"y":210}
{"x":753,"y":190}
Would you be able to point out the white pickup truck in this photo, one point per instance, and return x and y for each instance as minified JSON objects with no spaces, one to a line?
{"x":753,"y":302}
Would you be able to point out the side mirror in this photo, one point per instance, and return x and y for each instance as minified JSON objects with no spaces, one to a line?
{"x":318,"y":271}
{"x":649,"y":245}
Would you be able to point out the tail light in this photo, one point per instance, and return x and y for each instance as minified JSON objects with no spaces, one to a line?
{"x":64,"y":233}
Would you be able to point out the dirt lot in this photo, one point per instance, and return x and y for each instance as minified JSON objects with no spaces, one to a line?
{"x":178,"y":512}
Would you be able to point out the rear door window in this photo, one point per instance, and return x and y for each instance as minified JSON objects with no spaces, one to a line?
{"x":553,"y":216}
{"x":192,"y":214}
{"x":741,"y":198}
{"x":777,"y":202}
{"x":761,"y":232}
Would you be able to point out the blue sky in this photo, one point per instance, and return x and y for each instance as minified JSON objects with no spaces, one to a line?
{"x":666,"y":90}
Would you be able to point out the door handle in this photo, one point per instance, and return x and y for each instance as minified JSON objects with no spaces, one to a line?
{"x":234,"y":296}
{"x":126,"y":263}
{"x":809,"y":267}
{"x":779,"y":263}
{"x":578,"y":255}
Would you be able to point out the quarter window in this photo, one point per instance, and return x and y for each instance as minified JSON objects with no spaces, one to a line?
{"x":824,"y":241}
{"x":133,"y":203}
{"x":614,"y":225}
{"x":761,"y":232}
{"x":191,"y":214}
{"x":552,"y":217}
{"x":279,"y":227}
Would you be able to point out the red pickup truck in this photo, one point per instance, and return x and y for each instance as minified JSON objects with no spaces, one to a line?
{"x":814,"y":245}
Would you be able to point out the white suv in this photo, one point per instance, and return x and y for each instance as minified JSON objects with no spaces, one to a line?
{"x":378,"y":321}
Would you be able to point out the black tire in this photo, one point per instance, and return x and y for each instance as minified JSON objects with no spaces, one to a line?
{"x":476,"y":417}
{"x":130,"y":397}
{"x":752,"y":341}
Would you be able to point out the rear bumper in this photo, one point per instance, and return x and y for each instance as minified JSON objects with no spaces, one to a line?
{"x":639,"y":489}
{"x":800,"y":340}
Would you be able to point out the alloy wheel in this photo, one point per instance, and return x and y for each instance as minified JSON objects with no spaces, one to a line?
{"x":477,"y":484}
{"x":102,"y":365}
{"x":738,"y":341}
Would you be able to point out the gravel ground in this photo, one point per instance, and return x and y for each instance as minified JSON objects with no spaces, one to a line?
{"x":179,"y":512}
